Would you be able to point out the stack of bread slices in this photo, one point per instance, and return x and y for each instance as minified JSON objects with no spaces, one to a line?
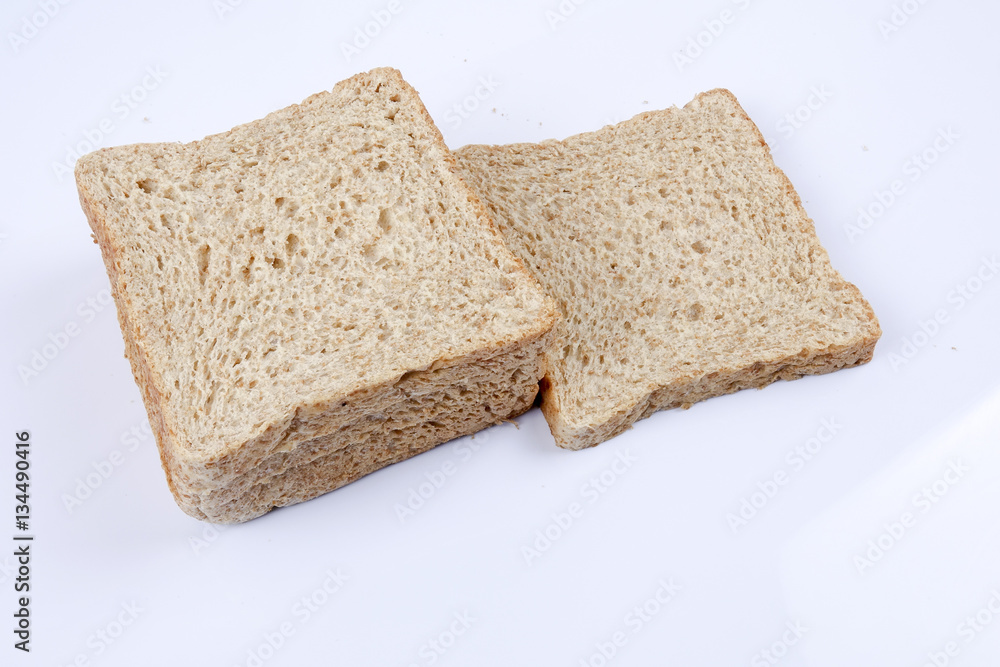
{"x":328,"y":290}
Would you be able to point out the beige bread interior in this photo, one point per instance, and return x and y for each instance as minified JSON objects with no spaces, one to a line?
{"x":310,"y":296}
{"x":681,"y":258}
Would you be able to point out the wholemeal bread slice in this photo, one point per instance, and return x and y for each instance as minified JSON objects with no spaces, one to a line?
{"x":682,"y":260}
{"x":310,"y":297}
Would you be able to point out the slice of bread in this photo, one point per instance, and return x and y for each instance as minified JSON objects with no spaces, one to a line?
{"x":310,"y":297}
{"x":682,"y":259}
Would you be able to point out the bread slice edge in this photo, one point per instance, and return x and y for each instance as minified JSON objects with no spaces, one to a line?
{"x":183,"y":465}
{"x":697,"y":387}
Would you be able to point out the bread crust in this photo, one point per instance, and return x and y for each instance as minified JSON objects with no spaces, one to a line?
{"x":311,"y":450}
{"x":694,"y":386}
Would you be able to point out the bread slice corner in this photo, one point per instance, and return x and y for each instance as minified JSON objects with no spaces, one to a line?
{"x":682,"y":260}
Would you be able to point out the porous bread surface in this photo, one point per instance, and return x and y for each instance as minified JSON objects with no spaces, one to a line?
{"x":281,"y":283}
{"x":682,"y":259}
{"x":419,"y":412}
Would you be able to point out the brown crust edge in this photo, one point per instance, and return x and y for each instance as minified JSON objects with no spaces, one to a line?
{"x":473,"y":197}
{"x":178,"y":461}
{"x":759,"y":374}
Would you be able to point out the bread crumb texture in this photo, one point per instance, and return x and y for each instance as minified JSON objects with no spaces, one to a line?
{"x":311,"y":296}
{"x":681,"y":259}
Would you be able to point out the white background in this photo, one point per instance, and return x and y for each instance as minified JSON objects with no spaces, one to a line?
{"x":203,"y":597}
